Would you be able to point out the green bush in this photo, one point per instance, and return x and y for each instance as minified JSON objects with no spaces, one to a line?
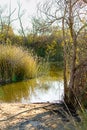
{"x":16,"y":63}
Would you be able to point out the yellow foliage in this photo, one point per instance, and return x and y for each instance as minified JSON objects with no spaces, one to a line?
{"x":15,"y":61}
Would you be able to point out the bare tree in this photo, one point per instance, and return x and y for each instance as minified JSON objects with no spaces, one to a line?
{"x":9,"y":20}
{"x":69,"y":14}
{"x":1,"y":19}
{"x":6,"y":21}
{"x":20,"y":15}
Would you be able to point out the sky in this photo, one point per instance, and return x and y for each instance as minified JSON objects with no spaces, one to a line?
{"x":28,"y":5}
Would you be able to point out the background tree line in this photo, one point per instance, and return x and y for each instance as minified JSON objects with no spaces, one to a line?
{"x":47,"y":46}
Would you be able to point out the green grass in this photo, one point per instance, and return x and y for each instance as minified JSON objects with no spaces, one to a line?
{"x":17,"y":63}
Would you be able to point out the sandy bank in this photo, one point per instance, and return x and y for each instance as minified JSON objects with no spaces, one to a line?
{"x":44,"y":116}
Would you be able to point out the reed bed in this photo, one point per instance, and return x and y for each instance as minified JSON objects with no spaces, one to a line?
{"x":16,"y":64}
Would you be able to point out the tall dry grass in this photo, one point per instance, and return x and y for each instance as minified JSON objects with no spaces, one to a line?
{"x":17,"y":63}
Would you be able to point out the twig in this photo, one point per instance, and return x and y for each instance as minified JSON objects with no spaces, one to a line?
{"x":9,"y":118}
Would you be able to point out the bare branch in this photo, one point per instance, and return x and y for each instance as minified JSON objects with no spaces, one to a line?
{"x":85,"y":25}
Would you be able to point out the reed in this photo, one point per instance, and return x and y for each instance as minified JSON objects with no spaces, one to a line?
{"x":17,"y":63}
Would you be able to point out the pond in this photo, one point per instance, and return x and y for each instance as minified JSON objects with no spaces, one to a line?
{"x":48,"y":88}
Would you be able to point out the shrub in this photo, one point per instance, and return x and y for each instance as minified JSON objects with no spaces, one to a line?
{"x":16,"y":63}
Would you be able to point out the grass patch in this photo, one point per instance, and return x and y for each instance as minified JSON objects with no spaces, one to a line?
{"x":17,"y":64}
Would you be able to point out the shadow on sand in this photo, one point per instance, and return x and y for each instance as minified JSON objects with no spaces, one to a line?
{"x":51,"y":117}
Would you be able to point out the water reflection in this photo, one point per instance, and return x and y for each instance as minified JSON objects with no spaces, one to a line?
{"x":51,"y":91}
{"x":16,"y":91}
{"x":47,"y":88}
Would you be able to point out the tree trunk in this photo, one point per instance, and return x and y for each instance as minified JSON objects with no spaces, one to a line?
{"x":65,"y":68}
{"x":71,"y":95}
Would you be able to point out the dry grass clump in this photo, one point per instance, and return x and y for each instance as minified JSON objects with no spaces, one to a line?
{"x":16,"y":63}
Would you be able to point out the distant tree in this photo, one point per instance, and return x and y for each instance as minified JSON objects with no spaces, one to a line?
{"x":20,"y":15}
{"x":40,"y":27}
{"x":5,"y":22}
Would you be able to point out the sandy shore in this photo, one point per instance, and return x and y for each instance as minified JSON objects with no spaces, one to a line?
{"x":34,"y":117}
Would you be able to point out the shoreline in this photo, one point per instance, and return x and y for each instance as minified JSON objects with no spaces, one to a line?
{"x":33,"y":116}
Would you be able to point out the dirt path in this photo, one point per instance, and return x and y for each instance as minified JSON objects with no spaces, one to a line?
{"x":34,"y":117}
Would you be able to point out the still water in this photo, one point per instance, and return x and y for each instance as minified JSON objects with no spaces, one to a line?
{"x":47,"y":88}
